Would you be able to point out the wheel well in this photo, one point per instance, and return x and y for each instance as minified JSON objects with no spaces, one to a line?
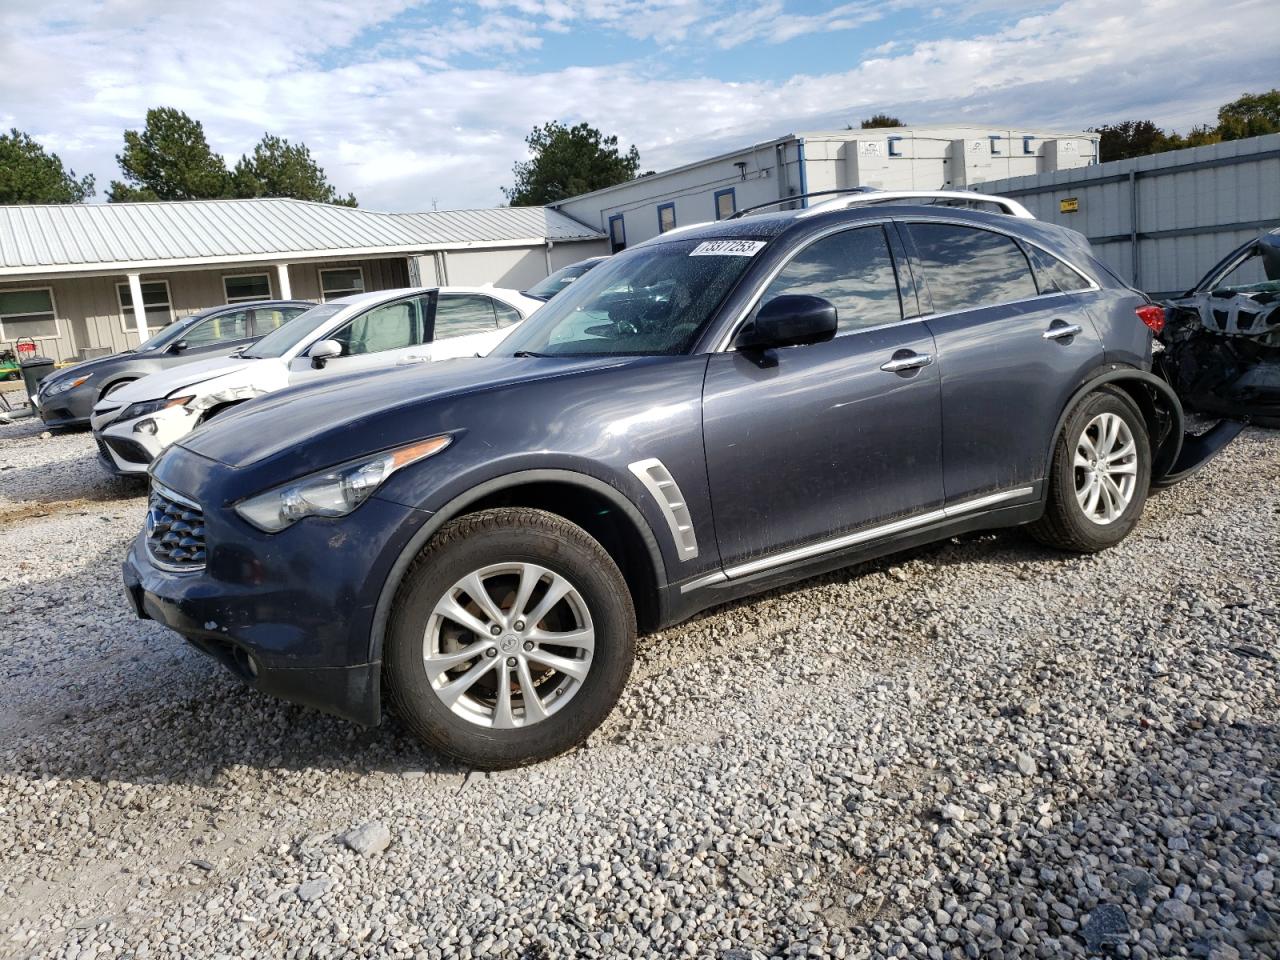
{"x":214,"y":411}
{"x":1162,"y":422}
{"x":115,"y":383}
{"x":602,"y":519}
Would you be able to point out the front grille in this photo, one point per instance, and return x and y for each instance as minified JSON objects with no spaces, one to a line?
{"x":127,"y":450}
{"x":175,"y":530}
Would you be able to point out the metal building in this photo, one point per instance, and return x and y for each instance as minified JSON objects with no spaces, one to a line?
{"x":71,"y":274}
{"x":1162,"y":221}
{"x":910,"y":158}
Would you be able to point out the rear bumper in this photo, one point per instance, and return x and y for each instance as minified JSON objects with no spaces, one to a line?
{"x":349,"y":691}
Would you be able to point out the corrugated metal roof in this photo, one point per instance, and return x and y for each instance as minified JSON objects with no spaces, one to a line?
{"x":118,"y":234}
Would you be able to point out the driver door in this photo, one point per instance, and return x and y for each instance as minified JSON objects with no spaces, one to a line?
{"x":217,"y":335}
{"x":808,"y":443}
{"x":388,"y":335}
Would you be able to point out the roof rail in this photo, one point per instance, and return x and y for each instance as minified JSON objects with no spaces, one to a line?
{"x":857,"y":196}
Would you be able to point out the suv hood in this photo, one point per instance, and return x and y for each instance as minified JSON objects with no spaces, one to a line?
{"x":164,"y":383}
{"x":365,"y":413}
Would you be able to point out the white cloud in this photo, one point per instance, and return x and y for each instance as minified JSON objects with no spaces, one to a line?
{"x":394,"y":114}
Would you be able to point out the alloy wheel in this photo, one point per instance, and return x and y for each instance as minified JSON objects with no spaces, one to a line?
{"x":508,"y":645}
{"x":1106,"y":468}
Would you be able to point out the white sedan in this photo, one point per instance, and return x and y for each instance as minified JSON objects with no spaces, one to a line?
{"x":367,"y":331}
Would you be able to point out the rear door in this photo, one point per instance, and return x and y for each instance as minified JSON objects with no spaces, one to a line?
{"x":1010,"y":355}
{"x":806,"y":443}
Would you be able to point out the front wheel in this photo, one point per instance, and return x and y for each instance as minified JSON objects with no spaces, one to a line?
{"x":1100,"y":474}
{"x":511,"y":638}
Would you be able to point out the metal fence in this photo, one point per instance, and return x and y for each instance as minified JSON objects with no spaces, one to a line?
{"x":1162,"y":221}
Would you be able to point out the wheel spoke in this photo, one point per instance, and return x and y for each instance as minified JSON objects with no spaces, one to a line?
{"x":1126,"y":451}
{"x":502,"y":719}
{"x":573,"y":668}
{"x":555,"y":593}
{"x":529,"y":577}
{"x":1115,"y":498}
{"x":475,"y":589}
{"x":1086,"y":443}
{"x":533,"y":710}
{"x":1130,"y":467}
{"x":451,"y":609}
{"x":583,"y":639}
{"x":451,"y":691}
{"x":1081,"y":461}
{"x":440,"y":662}
{"x":1091,"y":502}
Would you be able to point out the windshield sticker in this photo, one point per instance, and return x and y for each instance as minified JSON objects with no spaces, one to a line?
{"x":728,"y":248}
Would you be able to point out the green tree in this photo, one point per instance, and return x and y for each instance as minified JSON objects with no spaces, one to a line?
{"x":1131,"y":138}
{"x":1252,"y":115}
{"x":881,"y":120}
{"x":568,"y":161}
{"x":279,"y":168}
{"x":28,"y":174}
{"x":169,"y":160}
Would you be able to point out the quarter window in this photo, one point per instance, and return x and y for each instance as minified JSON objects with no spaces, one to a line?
{"x":392,"y":326}
{"x":27,"y":313}
{"x":966,"y":268}
{"x":155,"y":301}
{"x":246,"y":287}
{"x":458,"y":315}
{"x":341,"y":282}
{"x":666,"y":217}
{"x":1052,"y":275}
{"x":508,"y":316}
{"x":854,"y":270}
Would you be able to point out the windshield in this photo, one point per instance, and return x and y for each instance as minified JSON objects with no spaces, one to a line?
{"x":653,"y":300}
{"x":292,"y":332}
{"x":548,"y":288}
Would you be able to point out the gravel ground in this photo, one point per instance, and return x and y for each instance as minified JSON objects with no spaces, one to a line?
{"x":980,"y":749}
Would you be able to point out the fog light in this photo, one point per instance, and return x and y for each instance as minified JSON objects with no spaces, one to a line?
{"x":145,"y":426}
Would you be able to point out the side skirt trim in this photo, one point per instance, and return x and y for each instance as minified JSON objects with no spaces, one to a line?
{"x":836,"y":544}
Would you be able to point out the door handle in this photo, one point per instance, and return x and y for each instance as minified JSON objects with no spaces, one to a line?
{"x":408,"y":360}
{"x":912,"y":362}
{"x":1060,"y":330}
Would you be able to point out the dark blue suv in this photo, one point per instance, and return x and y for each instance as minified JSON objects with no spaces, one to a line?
{"x":720,"y":410}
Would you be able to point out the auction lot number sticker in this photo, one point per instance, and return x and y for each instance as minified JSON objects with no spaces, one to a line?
{"x":728,"y":248}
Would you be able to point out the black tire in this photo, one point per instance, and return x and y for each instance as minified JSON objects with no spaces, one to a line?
{"x":500,"y":536}
{"x":1065,"y":524}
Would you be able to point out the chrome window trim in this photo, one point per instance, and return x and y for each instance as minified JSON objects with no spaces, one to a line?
{"x":726,"y":342}
{"x":836,"y":544}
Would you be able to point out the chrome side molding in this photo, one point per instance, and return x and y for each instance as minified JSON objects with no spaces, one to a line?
{"x":836,"y":544}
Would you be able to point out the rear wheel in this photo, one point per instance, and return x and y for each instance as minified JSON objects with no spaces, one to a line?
{"x":1099,"y":477}
{"x":511,"y":639}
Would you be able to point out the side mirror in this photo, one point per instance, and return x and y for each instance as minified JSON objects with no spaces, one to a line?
{"x":789,"y":320}
{"x":323,"y":352}
{"x":179,"y":346}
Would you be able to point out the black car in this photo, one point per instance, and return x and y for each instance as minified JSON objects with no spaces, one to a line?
{"x":706,"y":415}
{"x":66,"y":398}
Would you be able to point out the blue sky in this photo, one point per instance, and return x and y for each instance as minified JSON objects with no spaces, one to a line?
{"x":407,"y":102}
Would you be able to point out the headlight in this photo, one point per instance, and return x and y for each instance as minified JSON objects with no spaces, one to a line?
{"x":66,"y":385}
{"x":337,"y":491}
{"x":136,"y":410}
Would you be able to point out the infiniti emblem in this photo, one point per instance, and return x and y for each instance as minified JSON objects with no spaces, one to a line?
{"x":151,"y":524}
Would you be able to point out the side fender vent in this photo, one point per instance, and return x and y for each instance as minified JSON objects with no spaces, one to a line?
{"x":657,"y":479}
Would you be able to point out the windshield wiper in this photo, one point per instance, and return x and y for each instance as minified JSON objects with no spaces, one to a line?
{"x":529,"y":353}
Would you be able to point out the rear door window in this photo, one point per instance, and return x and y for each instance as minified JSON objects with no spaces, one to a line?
{"x":854,"y":270}
{"x":458,"y":315}
{"x":966,"y":268}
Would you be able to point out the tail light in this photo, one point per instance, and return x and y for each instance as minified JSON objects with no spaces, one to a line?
{"x":1152,"y":316}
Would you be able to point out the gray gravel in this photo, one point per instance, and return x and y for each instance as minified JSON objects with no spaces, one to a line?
{"x":981,"y":749}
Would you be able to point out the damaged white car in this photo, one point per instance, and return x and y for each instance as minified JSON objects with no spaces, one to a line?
{"x":367,"y":331}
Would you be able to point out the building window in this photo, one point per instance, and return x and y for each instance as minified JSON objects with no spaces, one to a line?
{"x":617,"y":233}
{"x":156,"y":303}
{"x":666,"y":217}
{"x":28,"y":313}
{"x":726,"y":203}
{"x":247,"y":286}
{"x":341,"y":282}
